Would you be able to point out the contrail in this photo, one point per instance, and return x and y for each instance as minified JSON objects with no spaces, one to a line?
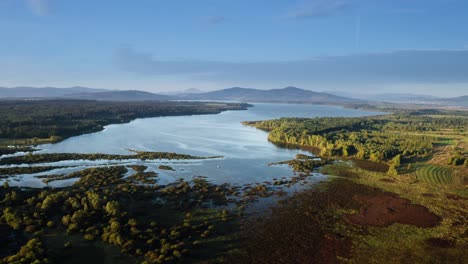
{"x":357,"y":33}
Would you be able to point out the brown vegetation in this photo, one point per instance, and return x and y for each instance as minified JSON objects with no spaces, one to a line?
{"x":386,"y":209}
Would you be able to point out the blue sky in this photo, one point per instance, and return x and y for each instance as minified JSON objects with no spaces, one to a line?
{"x":324,"y":45}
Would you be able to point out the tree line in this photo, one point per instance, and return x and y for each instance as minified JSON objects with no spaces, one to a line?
{"x":57,"y":119}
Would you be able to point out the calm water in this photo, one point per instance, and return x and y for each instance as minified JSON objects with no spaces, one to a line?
{"x":246,"y":150}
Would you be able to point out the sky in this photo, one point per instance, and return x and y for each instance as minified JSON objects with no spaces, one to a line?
{"x":354,"y":46}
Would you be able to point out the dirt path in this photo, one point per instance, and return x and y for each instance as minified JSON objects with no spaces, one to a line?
{"x":441,"y":156}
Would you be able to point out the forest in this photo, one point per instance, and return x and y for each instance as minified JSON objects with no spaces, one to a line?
{"x":55,"y":120}
{"x":388,"y":138}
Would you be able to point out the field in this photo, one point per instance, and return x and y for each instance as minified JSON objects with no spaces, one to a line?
{"x":435,"y":175}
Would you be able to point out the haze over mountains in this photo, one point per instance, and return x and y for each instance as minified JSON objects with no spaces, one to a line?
{"x":31,"y":92}
{"x":126,"y":95}
{"x":287,"y":94}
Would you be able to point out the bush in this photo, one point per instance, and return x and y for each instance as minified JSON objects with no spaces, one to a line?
{"x":89,"y":237}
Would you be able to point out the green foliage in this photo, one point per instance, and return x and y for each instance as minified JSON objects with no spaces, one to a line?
{"x":383,"y":138}
{"x":457,"y":160}
{"x":32,"y":252}
{"x":12,"y":218}
{"x":394,"y":164}
{"x":396,"y":161}
{"x":306,"y":165}
{"x":104,"y":206}
{"x":392,"y":171}
{"x":112,"y":208}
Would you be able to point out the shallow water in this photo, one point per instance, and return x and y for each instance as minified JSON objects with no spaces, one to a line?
{"x":246,"y":150}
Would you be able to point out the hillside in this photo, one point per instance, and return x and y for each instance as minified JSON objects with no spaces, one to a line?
{"x":458,"y":101}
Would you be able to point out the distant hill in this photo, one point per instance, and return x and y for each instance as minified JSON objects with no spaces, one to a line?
{"x":182,"y":92}
{"x":192,"y":90}
{"x":402,"y":98}
{"x":117,"y":95}
{"x":33,"y":92}
{"x":389,"y":97}
{"x":80,"y":93}
{"x":457,"y":101}
{"x":287,"y":94}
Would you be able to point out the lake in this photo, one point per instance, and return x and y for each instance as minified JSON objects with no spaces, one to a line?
{"x":246,"y":150}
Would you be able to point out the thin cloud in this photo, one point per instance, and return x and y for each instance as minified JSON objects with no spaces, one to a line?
{"x":411,"y":66}
{"x":319,"y":8}
{"x":213,"y":20}
{"x":407,"y":11}
{"x":39,"y":7}
{"x":131,"y":60}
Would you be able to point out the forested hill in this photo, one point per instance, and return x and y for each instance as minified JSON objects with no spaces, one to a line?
{"x":65,"y":118}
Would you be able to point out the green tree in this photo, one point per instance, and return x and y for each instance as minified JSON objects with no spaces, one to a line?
{"x":392,"y":171}
{"x":396,"y":161}
{"x":112,"y":208}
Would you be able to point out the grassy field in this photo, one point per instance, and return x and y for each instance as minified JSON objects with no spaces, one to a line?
{"x":409,"y":244}
{"x":435,"y":175}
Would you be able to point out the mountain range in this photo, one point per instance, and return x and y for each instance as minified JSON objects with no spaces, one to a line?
{"x":126,"y":95}
{"x":287,"y":94}
{"x":33,"y":92}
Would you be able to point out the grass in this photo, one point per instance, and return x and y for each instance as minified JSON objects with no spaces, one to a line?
{"x":445,"y":141}
{"x":408,"y":244}
{"x":435,"y":174}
